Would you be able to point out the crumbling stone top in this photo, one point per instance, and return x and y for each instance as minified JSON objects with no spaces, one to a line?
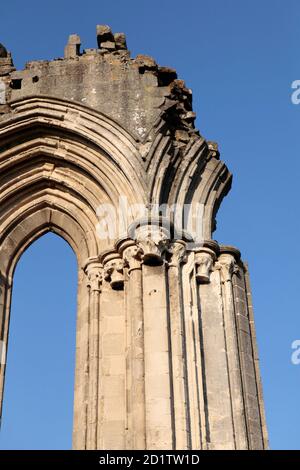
{"x":3,"y":51}
{"x":6,"y":66}
{"x":136,"y":92}
{"x":109,"y":41}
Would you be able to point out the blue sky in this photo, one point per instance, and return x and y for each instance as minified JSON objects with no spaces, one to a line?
{"x":240,"y":59}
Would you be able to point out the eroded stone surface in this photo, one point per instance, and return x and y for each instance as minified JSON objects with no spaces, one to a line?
{"x":165,"y":351}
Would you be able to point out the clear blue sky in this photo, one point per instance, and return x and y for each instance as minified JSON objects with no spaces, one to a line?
{"x":240,"y":58}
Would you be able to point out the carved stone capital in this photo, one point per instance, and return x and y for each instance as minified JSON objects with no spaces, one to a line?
{"x":228,"y":262}
{"x":94,"y":273}
{"x":177,"y":253}
{"x":131,"y":253}
{"x":231,"y":250}
{"x":153,"y":240}
{"x":227,"y":266}
{"x":204,"y":260}
{"x":113,"y":269}
{"x":205,"y":256}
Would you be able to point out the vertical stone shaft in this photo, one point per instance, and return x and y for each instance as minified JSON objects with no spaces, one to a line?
{"x":195,"y":372}
{"x":220,"y":433}
{"x":159,"y":427}
{"x":179,"y":368}
{"x":263,"y":425}
{"x":93,"y":370}
{"x":205,"y":337}
{"x":94,"y":282}
{"x":254,"y":411}
{"x":81,"y":367}
{"x":227,"y":266}
{"x":136,"y":352}
{"x":111,"y":432}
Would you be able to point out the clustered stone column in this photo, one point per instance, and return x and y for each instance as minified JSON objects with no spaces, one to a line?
{"x":94,"y":275}
{"x":134,"y":350}
{"x":165,"y":341}
{"x":164,"y":353}
{"x":227,"y":264}
{"x":177,"y":256}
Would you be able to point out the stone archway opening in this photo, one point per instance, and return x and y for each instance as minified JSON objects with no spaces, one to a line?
{"x":39,"y":384}
{"x":165,"y":343}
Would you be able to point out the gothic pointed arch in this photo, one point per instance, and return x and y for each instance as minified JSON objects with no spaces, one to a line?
{"x":166,"y":354}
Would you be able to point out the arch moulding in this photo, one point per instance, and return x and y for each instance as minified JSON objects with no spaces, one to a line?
{"x":165,"y":344}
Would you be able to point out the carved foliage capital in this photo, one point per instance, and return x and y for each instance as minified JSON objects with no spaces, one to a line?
{"x":94,"y":274}
{"x":177,"y":253}
{"x":204,"y":261}
{"x":113,"y":270}
{"x":153,"y":241}
{"x":227,"y":266}
{"x":133,"y":256}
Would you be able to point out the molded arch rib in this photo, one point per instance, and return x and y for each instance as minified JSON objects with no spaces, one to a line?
{"x":95,"y":132}
{"x":190,"y":177}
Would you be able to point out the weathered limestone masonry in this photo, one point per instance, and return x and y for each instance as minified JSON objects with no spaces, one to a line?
{"x":166,"y":354}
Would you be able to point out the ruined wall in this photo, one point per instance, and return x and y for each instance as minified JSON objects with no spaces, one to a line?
{"x":165,"y":350}
{"x":134,"y":92}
